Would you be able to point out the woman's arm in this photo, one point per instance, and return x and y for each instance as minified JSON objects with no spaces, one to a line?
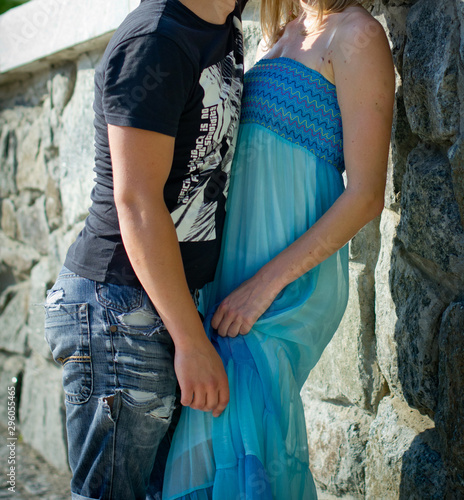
{"x":365,"y":81}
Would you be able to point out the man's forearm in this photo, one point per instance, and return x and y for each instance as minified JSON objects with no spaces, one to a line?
{"x":150,"y":240}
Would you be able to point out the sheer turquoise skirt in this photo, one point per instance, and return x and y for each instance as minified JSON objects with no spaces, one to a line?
{"x":257,"y":449}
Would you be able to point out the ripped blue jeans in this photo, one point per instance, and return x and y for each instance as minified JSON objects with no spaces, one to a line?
{"x":119,"y":384}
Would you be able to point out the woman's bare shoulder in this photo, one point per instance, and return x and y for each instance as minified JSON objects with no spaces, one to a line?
{"x":359,"y":30}
{"x":362,"y":64}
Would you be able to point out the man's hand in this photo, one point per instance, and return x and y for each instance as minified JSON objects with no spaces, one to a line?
{"x":202,"y":378}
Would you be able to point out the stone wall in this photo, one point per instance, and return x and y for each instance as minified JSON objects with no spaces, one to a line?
{"x":385,"y":407}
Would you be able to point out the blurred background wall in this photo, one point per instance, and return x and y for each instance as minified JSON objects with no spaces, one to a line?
{"x":385,"y":405}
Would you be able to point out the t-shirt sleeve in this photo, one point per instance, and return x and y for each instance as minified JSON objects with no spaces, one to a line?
{"x":148,"y":80}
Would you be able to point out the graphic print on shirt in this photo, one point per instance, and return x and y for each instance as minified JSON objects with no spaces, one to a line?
{"x":210,"y":161}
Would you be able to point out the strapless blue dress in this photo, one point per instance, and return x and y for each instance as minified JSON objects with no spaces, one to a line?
{"x":286,"y":173}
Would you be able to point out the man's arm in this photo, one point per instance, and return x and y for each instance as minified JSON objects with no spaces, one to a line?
{"x":141,"y":162}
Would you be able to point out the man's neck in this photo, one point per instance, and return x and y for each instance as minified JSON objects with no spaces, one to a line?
{"x":212,"y":11}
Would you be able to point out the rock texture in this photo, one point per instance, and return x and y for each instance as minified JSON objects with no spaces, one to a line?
{"x":430,"y":70}
{"x":338,"y":436}
{"x":450,"y":408}
{"x":384,"y":406}
{"x":401,"y":461}
{"x":36,"y":479}
{"x":407,"y":287}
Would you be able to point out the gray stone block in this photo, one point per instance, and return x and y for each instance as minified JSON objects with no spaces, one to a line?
{"x":420,"y":302}
{"x":403,"y":142}
{"x":348,"y":371}
{"x":16,"y":260}
{"x":251,"y":37}
{"x":423,"y":475}
{"x":14,"y":304}
{"x":450,"y":412}
{"x":401,"y":452}
{"x":251,"y":32}
{"x":42,"y":419}
{"x":53,"y":206}
{"x":385,"y":311}
{"x":430,"y":219}
{"x":61,"y":86}
{"x":9,"y":223}
{"x":31,"y":170}
{"x":32,"y":225}
{"x":76,"y":144}
{"x":337,"y":437}
{"x":42,"y":278}
{"x":456,"y":157}
{"x":8,"y":161}
{"x":430,"y":70}
{"x":11,"y":372}
{"x":395,"y":22}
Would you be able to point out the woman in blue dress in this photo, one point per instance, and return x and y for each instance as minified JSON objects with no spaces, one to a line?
{"x":319,"y":102}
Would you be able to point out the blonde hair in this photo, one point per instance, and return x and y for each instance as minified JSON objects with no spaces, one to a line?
{"x":276,"y":14}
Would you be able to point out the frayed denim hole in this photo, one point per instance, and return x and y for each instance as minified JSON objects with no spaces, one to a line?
{"x":108,"y":404}
{"x":164,"y":406}
{"x":139,"y":322}
{"x":141,"y":318}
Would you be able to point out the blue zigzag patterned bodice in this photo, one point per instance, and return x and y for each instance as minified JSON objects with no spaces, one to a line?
{"x":298,"y":104}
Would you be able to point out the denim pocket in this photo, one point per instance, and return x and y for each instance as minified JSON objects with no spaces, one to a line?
{"x":129,"y":310}
{"x":68,"y":335}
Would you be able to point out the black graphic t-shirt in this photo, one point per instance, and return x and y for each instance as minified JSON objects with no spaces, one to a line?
{"x":168,"y":71}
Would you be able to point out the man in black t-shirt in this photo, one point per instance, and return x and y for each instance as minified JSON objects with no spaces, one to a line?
{"x":121,"y":318}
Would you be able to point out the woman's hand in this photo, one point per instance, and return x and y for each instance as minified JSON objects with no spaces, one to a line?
{"x":240,"y":310}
